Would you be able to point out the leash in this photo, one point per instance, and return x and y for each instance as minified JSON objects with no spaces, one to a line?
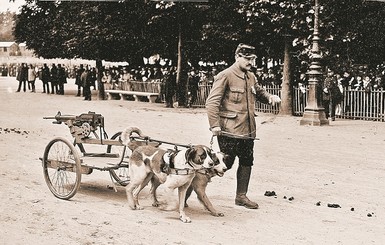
{"x":244,"y":136}
{"x":239,"y":136}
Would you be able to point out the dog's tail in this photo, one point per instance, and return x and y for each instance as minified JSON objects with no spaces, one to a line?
{"x":127,"y":133}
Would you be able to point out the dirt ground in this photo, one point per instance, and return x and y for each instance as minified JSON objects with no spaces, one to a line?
{"x":338,"y":164}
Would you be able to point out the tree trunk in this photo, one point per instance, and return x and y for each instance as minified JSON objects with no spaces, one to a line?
{"x":181,"y":75}
{"x":286,"y":91}
{"x":99,"y":71}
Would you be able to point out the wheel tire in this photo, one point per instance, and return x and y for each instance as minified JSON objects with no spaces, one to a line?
{"x":120,"y":175}
{"x":61,"y":168}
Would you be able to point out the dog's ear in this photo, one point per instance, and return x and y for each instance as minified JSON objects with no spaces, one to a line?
{"x":196,"y":154}
{"x":190,"y":154}
{"x":227,"y":159}
{"x":213,"y":156}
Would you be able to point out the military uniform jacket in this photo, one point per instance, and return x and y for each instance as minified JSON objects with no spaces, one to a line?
{"x":231,"y":102}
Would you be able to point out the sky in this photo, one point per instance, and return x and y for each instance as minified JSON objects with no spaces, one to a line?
{"x":11,"y":6}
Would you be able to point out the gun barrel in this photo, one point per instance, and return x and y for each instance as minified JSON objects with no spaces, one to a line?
{"x":60,"y":117}
{"x":65,"y":117}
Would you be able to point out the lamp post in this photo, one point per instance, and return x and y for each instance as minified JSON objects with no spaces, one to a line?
{"x":314,"y":114}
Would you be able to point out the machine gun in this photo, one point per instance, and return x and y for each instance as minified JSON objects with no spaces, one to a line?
{"x":81,"y":126}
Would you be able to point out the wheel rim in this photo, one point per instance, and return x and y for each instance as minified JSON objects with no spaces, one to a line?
{"x":61,"y":164}
{"x":120,"y":175}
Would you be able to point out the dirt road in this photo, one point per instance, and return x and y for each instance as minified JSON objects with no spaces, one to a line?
{"x":338,"y":164}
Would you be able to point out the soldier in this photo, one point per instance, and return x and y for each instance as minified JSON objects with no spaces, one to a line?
{"x":230,"y":109}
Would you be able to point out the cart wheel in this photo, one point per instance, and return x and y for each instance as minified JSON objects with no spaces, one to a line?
{"x":120,"y":175}
{"x":62,"y":169}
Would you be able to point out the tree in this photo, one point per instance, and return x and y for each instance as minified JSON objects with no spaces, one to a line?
{"x":353,"y":32}
{"x":178,"y":42}
{"x":128,"y":30}
{"x":86,"y":30}
{"x":7,"y":20}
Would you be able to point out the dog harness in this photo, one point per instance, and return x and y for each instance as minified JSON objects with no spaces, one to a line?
{"x":207,"y":172}
{"x":169,"y":167}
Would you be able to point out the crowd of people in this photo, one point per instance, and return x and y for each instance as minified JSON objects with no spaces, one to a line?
{"x":54,"y":77}
{"x":336,"y":82}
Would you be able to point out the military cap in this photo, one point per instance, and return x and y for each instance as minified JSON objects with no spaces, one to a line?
{"x":245,"y":50}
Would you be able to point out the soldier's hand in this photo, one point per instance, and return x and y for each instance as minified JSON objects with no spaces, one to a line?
{"x":274,"y":99}
{"x":216,"y":131}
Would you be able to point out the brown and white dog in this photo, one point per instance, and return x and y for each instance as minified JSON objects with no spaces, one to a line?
{"x":147,"y":162}
{"x":203,"y":177}
{"x":200,"y":181}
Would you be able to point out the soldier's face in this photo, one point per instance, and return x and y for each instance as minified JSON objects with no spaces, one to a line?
{"x":245,"y":62}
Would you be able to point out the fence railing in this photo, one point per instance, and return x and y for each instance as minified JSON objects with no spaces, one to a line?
{"x":153,"y":86}
{"x":260,"y":107}
{"x":357,"y":104}
{"x":204,"y":90}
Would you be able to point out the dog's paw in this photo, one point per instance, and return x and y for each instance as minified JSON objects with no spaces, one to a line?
{"x":138,"y":207}
{"x":185,"y":219}
{"x":155,"y":204}
{"x":217,"y":214}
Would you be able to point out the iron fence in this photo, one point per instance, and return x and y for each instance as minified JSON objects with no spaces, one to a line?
{"x":357,"y":104}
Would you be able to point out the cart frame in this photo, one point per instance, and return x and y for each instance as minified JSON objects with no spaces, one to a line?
{"x":64,"y":162}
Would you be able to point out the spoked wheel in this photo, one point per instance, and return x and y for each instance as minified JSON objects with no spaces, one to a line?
{"x":62,"y":169}
{"x":120,"y":174}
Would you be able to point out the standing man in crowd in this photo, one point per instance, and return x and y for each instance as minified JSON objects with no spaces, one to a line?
{"x":169,"y":86}
{"x":45,"y":76}
{"x":53,"y":79}
{"x":61,"y":78}
{"x":78,"y":73}
{"x":31,"y":78}
{"x":193,"y":87}
{"x":332,"y":95}
{"x":86,"y":79}
{"x":230,"y":108}
{"x":22,"y":76}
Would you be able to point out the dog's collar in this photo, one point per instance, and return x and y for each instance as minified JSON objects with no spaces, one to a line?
{"x":186,"y":171}
{"x":193,"y":165}
{"x":206,"y":171}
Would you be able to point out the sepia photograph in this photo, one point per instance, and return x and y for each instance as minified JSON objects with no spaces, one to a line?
{"x":213,"y":122}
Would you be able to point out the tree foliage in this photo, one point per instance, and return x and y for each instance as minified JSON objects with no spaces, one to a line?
{"x":352,"y":30}
{"x":7,"y":20}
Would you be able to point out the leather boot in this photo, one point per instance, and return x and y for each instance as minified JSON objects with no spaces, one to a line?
{"x":243,"y":178}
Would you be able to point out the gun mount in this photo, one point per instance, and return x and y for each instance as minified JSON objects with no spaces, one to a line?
{"x":83,"y":125}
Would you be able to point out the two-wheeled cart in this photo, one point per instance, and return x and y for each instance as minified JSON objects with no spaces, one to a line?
{"x":65,"y":162}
